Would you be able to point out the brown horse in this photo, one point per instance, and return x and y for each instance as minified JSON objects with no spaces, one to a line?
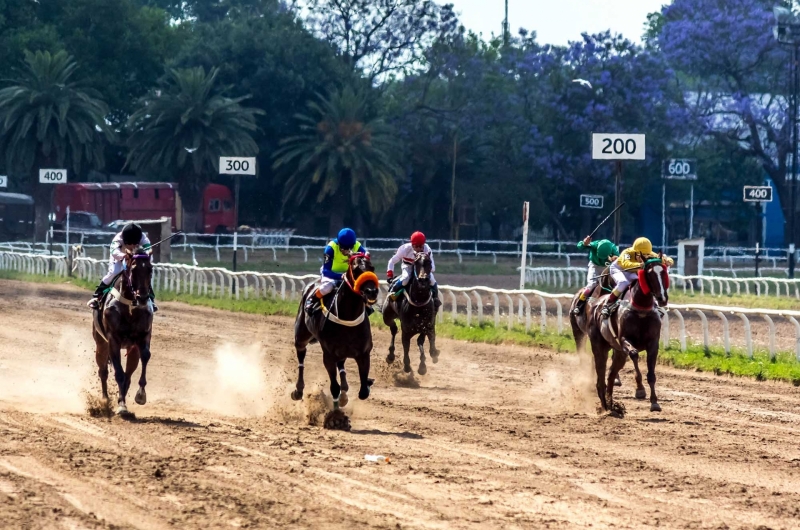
{"x":417,"y":315}
{"x":124,"y":319}
{"x":341,"y":328}
{"x":634,"y":327}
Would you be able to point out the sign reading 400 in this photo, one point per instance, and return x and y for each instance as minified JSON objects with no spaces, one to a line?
{"x":52,"y":176}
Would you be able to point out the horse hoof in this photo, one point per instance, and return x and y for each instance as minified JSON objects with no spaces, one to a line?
{"x":337,"y":420}
{"x":297,"y":395}
{"x":422,"y":370}
{"x":141,"y":397}
{"x":364,"y":393}
{"x":122,"y":409}
{"x":343,"y":399}
{"x":435,"y":357}
{"x":390,"y":358}
{"x":407,"y":368}
{"x":617,"y":381}
{"x":641,"y":393}
{"x":655,"y":407}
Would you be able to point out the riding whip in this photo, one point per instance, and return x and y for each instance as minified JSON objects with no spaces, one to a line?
{"x":176,"y":234}
{"x":606,"y":219}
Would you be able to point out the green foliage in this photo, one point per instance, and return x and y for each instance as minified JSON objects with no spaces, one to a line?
{"x":342,"y":157}
{"x":186,"y":127}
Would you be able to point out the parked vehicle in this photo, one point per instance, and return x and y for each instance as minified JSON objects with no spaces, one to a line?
{"x":17,"y":218}
{"x":133,"y":201}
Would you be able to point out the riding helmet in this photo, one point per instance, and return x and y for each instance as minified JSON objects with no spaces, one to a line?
{"x":643,"y":246}
{"x":418,"y":239}
{"x":346,"y":238}
{"x":131,"y":234}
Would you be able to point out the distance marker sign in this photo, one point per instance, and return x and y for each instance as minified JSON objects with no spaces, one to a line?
{"x":758,"y":193}
{"x":237,"y":165}
{"x":3,"y":181}
{"x":52,"y":176}
{"x":679,"y":169}
{"x":592,"y":201}
{"x":606,"y":146}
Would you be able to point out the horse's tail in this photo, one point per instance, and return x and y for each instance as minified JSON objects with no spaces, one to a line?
{"x":98,"y":324}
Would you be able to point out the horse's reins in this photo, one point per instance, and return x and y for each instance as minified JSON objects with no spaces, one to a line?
{"x":354,"y":285}
{"x":126,"y":275}
{"x":408,"y":296}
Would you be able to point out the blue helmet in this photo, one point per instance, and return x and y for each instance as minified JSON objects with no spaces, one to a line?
{"x":346,"y":238}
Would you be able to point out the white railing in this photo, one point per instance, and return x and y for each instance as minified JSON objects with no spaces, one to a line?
{"x":475,"y":304}
{"x":563,"y":277}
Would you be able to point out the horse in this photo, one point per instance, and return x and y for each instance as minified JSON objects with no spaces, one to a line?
{"x":124,"y":319}
{"x":634,"y":327}
{"x":417,"y":315}
{"x":342,"y":329}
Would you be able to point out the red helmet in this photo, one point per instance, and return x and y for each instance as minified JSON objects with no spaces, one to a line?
{"x":418,"y":239}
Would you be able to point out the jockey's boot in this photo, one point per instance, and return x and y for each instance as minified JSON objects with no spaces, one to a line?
{"x":94,"y":303}
{"x":612,"y":302}
{"x":435,"y":293}
{"x":313,"y":303}
{"x":369,"y":310}
{"x":153,"y":299}
{"x":396,"y":289}
{"x":579,"y":307}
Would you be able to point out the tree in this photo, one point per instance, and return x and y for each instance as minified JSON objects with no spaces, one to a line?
{"x":343,"y":157}
{"x":381,"y":37}
{"x":184,"y":128}
{"x":736,"y":77}
{"x":276,"y":61}
{"x":49,"y":121}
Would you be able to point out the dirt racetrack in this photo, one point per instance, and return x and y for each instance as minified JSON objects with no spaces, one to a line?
{"x":491,"y":437}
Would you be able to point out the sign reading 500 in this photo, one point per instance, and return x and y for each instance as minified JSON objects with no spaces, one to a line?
{"x":52,"y":176}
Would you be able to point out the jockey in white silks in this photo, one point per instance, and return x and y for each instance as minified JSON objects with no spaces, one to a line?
{"x":406,"y":255}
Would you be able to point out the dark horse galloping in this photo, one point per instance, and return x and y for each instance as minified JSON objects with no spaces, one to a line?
{"x":341,"y":328}
{"x":417,"y":315}
{"x":635,"y":327}
{"x":124,"y":319}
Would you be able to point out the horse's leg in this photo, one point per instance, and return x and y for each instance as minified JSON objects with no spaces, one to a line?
{"x":652,"y":357}
{"x":131,"y":364}
{"x":119,"y":372}
{"x":101,"y":358}
{"x":389,"y":320}
{"x":421,"y":343}
{"x":432,"y":341}
{"x":330,"y":366}
{"x":342,"y":375}
{"x":363,"y":374}
{"x":144,"y":353}
{"x":633,"y":353}
{"x":302,"y":336}
{"x":618,"y":359}
{"x":600,"y":353}
{"x":406,"y":340}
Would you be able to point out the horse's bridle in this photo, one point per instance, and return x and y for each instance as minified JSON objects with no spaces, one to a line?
{"x":355,"y":284}
{"x":127,"y":271}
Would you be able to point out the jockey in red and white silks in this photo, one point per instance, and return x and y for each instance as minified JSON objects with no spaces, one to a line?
{"x":405,"y":255}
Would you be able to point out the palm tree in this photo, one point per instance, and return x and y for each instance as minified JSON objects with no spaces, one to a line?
{"x":47,"y":120}
{"x":184,"y":128}
{"x":340,"y":157}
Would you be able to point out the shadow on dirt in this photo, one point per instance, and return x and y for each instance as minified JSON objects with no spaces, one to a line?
{"x":376,"y":432}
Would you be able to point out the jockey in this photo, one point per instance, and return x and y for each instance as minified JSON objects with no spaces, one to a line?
{"x":406,"y":254}
{"x":624,"y":269}
{"x":336,"y":264}
{"x":128,"y":240}
{"x":601,"y":254}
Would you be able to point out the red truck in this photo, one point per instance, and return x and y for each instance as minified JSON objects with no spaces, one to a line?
{"x":132,"y":201}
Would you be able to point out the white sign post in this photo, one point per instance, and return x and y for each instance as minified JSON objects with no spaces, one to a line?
{"x":618,"y":147}
{"x":524,"y":264}
{"x":237,"y":166}
{"x":3,"y":181}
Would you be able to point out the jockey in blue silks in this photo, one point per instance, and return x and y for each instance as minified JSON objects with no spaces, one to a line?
{"x":335,"y":265}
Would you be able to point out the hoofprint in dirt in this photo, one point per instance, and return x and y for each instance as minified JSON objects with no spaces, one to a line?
{"x":493,"y":436}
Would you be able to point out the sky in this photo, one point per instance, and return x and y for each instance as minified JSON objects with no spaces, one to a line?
{"x":558,"y":21}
